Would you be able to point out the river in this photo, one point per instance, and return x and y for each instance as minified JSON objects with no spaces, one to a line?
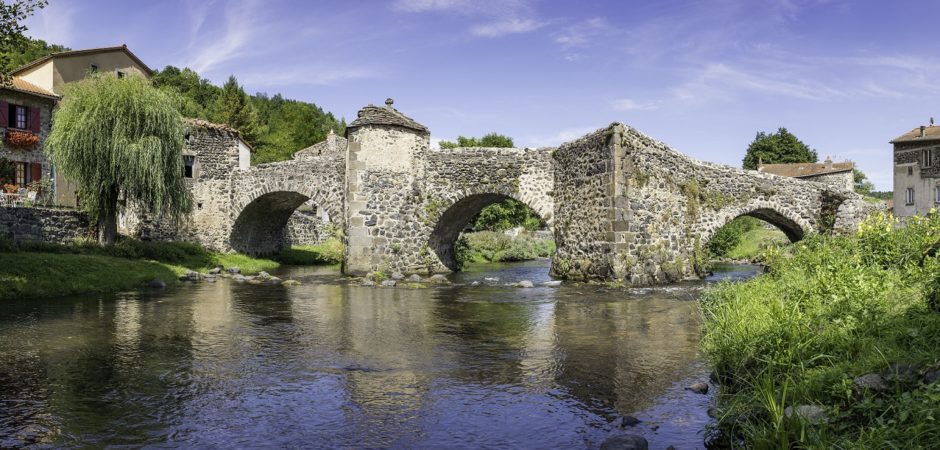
{"x":329,"y":364}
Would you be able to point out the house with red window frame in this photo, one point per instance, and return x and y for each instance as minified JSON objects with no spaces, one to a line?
{"x":28,"y":96}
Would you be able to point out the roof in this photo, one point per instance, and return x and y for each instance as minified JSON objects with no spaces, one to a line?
{"x":88,"y":51}
{"x":333,"y":144}
{"x":21,"y":85}
{"x":205,"y":124}
{"x":931,"y":133}
{"x":384,"y":115}
{"x":799,"y":170}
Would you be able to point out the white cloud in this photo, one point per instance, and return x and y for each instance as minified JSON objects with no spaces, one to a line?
{"x":562,"y":136}
{"x":722,"y":81}
{"x":240,"y":26}
{"x":54,"y":24}
{"x":317,"y":76}
{"x":626,"y":104}
{"x":504,"y":27}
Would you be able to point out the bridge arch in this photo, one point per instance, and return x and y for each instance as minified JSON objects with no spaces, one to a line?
{"x":461,"y":207}
{"x":793,"y":225}
{"x":260,"y":216}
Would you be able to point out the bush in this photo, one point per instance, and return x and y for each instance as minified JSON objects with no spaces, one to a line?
{"x":833,"y":309}
{"x":329,"y":252}
{"x":490,"y":246}
{"x":729,"y":236}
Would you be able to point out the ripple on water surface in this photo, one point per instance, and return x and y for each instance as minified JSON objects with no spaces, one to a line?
{"x":332,"y":364}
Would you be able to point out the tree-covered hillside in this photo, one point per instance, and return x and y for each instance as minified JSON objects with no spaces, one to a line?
{"x":275,"y":127}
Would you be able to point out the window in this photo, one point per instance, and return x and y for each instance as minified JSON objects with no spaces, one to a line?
{"x":909,"y":197}
{"x":926,"y":157}
{"x":188,"y":162}
{"x":120,"y":74}
{"x":910,"y":170}
{"x":18,"y":116}
{"x":21,"y":171}
{"x":936,"y":194}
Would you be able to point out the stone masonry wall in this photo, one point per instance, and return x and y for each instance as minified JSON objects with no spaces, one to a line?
{"x":54,"y":226}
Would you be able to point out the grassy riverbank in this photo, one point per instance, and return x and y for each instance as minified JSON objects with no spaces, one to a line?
{"x":329,"y":252}
{"x":830,"y":310}
{"x":492,"y":246}
{"x":41,"y":270}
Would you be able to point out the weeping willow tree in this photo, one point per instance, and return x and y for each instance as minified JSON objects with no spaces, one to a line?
{"x":120,"y":137}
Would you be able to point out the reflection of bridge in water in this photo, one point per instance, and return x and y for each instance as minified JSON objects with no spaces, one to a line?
{"x":621,"y":205}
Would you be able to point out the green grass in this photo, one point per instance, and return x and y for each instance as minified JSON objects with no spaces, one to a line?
{"x":34,"y":270}
{"x":754,"y":242}
{"x":830,"y":309}
{"x":492,"y":246}
{"x":329,"y":252}
{"x":33,"y":275}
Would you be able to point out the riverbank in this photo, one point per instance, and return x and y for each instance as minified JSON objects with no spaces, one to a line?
{"x":835,"y":347}
{"x":493,"y":246}
{"x":42,"y":270}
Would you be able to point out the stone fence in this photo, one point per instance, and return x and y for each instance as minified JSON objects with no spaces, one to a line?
{"x":53,"y":226}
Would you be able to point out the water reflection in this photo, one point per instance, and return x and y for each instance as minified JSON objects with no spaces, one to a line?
{"x":328,"y":364}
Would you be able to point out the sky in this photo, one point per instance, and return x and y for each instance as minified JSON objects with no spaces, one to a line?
{"x":845,"y":76}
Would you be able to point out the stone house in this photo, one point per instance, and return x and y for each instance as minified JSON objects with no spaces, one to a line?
{"x":25,"y":117}
{"x":31,"y":92}
{"x":917,"y":171}
{"x":840,"y":175}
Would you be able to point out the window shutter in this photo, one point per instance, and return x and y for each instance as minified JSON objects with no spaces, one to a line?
{"x":35,"y":172}
{"x":34,"y":120}
{"x":4,"y":110}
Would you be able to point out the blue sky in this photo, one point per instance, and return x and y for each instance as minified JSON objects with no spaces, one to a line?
{"x":703,"y":76}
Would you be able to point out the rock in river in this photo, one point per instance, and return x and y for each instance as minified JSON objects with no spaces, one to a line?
{"x":625,"y":442}
{"x":698,"y":388}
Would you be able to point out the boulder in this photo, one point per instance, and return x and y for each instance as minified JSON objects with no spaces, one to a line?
{"x":263,"y":275}
{"x":904,"y":373}
{"x":415,"y":278}
{"x":397,"y":276}
{"x":552,"y":283}
{"x":275,"y":281}
{"x":629,"y":421}
{"x":871,"y":382}
{"x":931,"y":376}
{"x":215,"y":270}
{"x":389,"y":283}
{"x":191,"y":275}
{"x":625,"y":442}
{"x":156,"y":284}
{"x":367,"y":282}
{"x":814,"y":414}
{"x":234,"y":270}
{"x":239,"y":278}
{"x":698,"y":388}
{"x":291,"y":283}
{"x":525,"y":284}
{"x":439,"y":279}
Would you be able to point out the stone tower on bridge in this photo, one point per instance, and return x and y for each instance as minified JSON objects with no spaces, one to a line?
{"x":621,"y":205}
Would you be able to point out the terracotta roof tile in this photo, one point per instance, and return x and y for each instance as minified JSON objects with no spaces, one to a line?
{"x":798,"y":170}
{"x":932,"y":133}
{"x":384,"y":115}
{"x":19,"y":84}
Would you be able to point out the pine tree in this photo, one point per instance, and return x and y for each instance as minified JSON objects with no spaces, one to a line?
{"x":233,"y":107}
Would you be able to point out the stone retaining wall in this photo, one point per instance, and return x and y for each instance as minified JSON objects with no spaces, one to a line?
{"x":53,"y":226}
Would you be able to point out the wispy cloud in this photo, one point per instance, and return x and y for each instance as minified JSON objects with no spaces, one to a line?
{"x":721,"y":81}
{"x":501,"y":17}
{"x":240,"y":26}
{"x":627,"y":104}
{"x":502,"y":27}
{"x":560,"y":137}
{"x":54,"y":24}
{"x":317,"y":76}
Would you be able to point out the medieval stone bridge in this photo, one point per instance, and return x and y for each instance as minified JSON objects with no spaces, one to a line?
{"x":621,"y":204}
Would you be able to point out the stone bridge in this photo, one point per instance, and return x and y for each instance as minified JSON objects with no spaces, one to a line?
{"x":622,"y":205}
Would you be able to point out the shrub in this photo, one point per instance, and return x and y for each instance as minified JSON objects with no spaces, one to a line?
{"x":729,"y":236}
{"x":490,"y":246}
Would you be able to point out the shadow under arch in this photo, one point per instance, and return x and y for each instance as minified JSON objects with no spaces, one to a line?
{"x":259,"y":227}
{"x":456,"y":218}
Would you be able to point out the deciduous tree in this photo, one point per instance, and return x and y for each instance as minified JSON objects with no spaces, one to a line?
{"x":120,"y":137}
{"x":777,"y":148}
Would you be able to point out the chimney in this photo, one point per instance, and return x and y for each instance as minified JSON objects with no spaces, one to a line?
{"x":923,"y":131}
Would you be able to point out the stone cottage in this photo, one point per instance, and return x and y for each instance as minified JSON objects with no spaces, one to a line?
{"x":917,"y":171}
{"x":30,"y":93}
{"x":840,"y":175}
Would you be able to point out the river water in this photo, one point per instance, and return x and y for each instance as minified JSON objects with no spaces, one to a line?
{"x":329,"y":364}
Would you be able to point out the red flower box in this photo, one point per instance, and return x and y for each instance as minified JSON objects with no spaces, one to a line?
{"x":23,"y":140}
